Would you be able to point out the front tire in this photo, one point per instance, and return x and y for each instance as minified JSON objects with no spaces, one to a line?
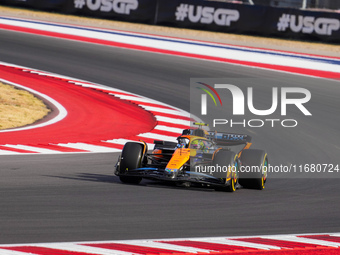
{"x":254,"y":169}
{"x":131,"y":158}
{"x":225,"y":158}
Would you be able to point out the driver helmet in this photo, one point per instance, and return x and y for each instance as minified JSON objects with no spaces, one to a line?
{"x":182,"y":143}
{"x":197,"y":144}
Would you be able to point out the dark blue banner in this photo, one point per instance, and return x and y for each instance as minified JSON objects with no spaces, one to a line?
{"x":250,"y":19}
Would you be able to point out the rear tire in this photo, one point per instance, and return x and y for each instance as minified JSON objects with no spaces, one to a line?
{"x":257,"y":161}
{"x":131,"y":158}
{"x":227,"y":158}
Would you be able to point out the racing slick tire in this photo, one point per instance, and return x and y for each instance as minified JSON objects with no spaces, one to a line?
{"x":253,"y":173}
{"x":227,"y":159}
{"x":131,"y":158}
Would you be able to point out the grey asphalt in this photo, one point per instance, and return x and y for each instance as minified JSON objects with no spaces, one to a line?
{"x":51,"y":198}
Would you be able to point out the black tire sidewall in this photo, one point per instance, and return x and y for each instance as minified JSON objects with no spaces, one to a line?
{"x":252,"y":158}
{"x":131,"y":157}
{"x":226,"y":158}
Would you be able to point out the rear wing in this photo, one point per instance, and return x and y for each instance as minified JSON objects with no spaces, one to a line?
{"x":228,"y":139}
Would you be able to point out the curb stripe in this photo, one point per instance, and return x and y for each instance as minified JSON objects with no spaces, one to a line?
{"x":306,"y":241}
{"x":162,"y":245}
{"x":133,"y":248}
{"x":179,"y":126}
{"x":246,"y":245}
{"x":59,"y":148}
{"x":170,"y":121}
{"x":170,"y":115}
{"x":89,"y":147}
{"x":107,"y":144}
{"x":166,"y":133}
{"x":278,"y":243}
{"x":70,"y":247}
{"x":170,"y":129}
{"x":269,"y":244}
{"x":323,"y":237}
{"x":34,"y":149}
{"x":12,"y":149}
{"x":44,"y":251}
{"x":208,"y":246}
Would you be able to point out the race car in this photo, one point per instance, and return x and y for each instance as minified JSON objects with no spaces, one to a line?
{"x":198,"y":157}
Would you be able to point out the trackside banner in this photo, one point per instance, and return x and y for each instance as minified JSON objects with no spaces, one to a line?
{"x":213,"y":16}
{"x":142,"y":11}
{"x":250,"y":19}
{"x":304,"y":25}
{"x":205,"y":15}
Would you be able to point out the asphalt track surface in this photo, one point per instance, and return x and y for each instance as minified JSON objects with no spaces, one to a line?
{"x":52,"y":198}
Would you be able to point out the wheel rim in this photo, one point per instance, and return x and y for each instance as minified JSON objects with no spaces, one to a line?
{"x":234,"y":177}
{"x":265,"y":168}
{"x":264,"y":171}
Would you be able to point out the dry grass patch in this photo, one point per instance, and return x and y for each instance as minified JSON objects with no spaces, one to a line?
{"x":19,"y":108}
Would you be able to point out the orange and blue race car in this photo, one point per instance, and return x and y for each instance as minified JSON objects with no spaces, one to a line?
{"x":200,"y":157}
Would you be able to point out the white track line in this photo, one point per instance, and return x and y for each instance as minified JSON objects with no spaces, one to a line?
{"x":181,"y":45}
{"x":89,"y":147}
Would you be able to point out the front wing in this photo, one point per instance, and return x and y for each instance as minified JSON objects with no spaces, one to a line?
{"x":163,"y":175}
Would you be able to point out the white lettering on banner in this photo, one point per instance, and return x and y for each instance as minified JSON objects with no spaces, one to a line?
{"x":118,"y":6}
{"x":206,"y":15}
{"x":308,"y":24}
